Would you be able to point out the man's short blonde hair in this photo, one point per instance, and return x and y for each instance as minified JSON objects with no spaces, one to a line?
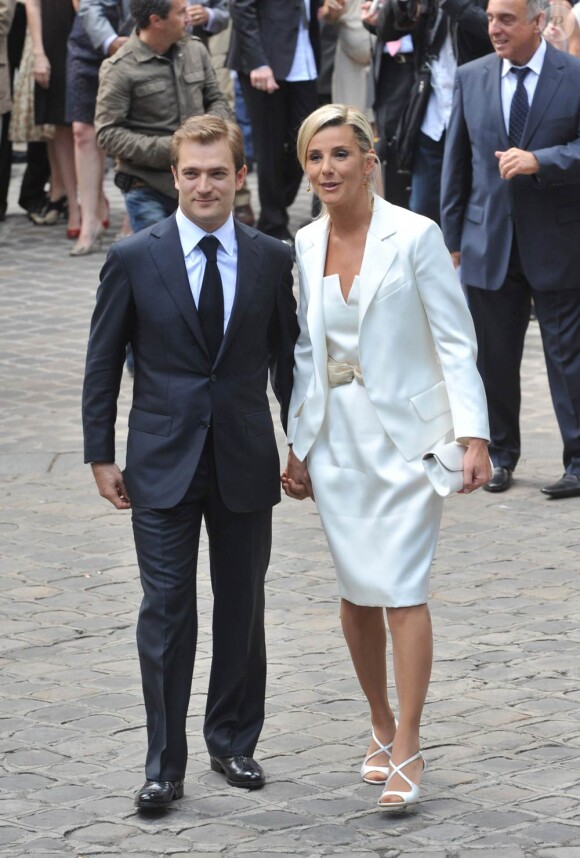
{"x":209,"y":129}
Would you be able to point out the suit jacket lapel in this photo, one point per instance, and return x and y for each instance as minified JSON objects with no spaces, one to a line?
{"x":313,"y":259}
{"x":249,"y":265}
{"x":548,"y":82}
{"x":492,"y":86}
{"x":167,"y":254}
{"x":379,"y":254}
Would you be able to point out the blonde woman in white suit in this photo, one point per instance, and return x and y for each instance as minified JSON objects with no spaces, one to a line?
{"x":385,"y":369}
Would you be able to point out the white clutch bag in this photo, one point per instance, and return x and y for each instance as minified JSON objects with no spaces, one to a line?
{"x":444,"y":467}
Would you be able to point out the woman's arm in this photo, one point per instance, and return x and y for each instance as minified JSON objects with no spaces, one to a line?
{"x":41,"y":68}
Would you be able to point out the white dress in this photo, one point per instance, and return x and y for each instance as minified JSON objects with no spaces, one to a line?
{"x":379,"y":512}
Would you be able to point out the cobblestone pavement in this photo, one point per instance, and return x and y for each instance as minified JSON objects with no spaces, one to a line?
{"x":501,"y":729}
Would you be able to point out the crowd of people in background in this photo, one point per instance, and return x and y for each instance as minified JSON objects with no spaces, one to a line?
{"x":366,"y":54}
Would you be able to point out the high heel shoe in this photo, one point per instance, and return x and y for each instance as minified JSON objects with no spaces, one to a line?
{"x":365,"y":769}
{"x":50,"y":212}
{"x":86,"y":249}
{"x":407,"y":797}
{"x":73,"y":232}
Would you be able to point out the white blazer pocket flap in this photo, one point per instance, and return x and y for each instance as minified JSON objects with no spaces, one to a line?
{"x":433,"y":402}
{"x":389,"y":288}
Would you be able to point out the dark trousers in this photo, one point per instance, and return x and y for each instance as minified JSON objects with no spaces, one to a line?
{"x":275,"y":120}
{"x":167,"y":543}
{"x":501,"y":319}
{"x":426,"y":177}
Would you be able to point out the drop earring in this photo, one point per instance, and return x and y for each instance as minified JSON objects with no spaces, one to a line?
{"x":308,"y":187}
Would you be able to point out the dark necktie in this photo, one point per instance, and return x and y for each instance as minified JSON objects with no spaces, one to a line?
{"x":211,"y":298}
{"x":519,"y":107}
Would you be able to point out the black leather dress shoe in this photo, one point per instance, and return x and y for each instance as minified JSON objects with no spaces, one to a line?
{"x":500,"y":481}
{"x":567,"y":487}
{"x":156,"y":795}
{"x":240,"y":771}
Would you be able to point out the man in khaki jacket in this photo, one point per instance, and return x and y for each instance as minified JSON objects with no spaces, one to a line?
{"x":153,"y":83}
{"x":6,"y":14}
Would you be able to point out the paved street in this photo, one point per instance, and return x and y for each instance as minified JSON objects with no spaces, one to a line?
{"x":501,"y":729}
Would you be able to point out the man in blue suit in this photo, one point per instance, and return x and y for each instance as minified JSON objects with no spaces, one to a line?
{"x":510,"y":216}
{"x":206,"y":303}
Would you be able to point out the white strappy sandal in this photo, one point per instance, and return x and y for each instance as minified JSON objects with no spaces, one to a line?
{"x":365,"y":769}
{"x":407,"y":797}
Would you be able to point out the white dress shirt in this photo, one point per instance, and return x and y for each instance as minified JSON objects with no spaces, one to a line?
{"x":303,"y":65}
{"x":227,"y":258}
{"x":438,"y":111}
{"x":509,"y":81}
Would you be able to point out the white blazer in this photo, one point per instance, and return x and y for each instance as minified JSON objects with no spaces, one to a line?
{"x":417,"y":342}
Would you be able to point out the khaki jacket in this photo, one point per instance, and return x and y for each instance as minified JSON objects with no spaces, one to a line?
{"x":143,"y":98}
{"x":6,"y":14}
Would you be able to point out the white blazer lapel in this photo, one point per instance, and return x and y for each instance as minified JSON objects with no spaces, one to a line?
{"x":313,"y":260}
{"x":379,"y":254}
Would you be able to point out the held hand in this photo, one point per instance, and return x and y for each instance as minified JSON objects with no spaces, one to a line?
{"x":41,"y":70}
{"x":263,"y":79}
{"x":110,"y":484}
{"x":517,"y":162}
{"x":197,"y":15}
{"x":456,"y":258}
{"x":116,"y":44}
{"x":476,"y":466}
{"x":296,"y":479}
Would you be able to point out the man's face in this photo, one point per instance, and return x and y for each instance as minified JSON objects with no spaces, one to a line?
{"x":173,"y":27}
{"x":513,"y":36}
{"x":207,"y":182}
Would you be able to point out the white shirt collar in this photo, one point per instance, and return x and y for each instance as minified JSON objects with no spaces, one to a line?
{"x":190,"y":234}
{"x":535,"y":64}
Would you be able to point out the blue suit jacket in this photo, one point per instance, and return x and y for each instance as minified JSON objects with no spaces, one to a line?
{"x":144,"y":298}
{"x":480,"y":211}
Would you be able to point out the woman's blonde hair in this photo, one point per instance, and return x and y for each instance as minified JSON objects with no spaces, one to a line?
{"x":334,"y":115}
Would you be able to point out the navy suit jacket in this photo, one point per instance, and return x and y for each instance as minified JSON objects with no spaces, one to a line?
{"x":144,"y":298}
{"x":265,"y":32}
{"x":480,"y":210}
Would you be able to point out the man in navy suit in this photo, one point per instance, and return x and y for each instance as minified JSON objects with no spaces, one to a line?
{"x":206,"y":304}
{"x":510,"y":216}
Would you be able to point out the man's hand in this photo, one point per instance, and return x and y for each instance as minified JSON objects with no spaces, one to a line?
{"x":517,"y":162}
{"x":263,"y":79}
{"x":116,"y":44}
{"x":296,"y":479}
{"x":455,"y":258}
{"x":197,"y":15}
{"x":476,"y":466}
{"x":109,"y":480}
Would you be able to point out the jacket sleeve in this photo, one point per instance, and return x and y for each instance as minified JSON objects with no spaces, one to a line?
{"x":282,"y":334}
{"x":214,"y":101}
{"x":245,"y":22}
{"x":456,"y":174}
{"x":7,"y":8}
{"x":221,"y":16}
{"x":95,"y":24}
{"x":111,"y":329}
{"x":113,"y":135}
{"x":453,"y":333}
{"x":392,"y":24}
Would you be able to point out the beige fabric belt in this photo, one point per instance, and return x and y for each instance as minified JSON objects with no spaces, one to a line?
{"x":340,"y":372}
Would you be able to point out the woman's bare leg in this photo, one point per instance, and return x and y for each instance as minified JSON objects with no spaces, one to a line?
{"x":63,"y":150}
{"x":366,"y":637}
{"x":412,"y":638}
{"x":90,"y":170}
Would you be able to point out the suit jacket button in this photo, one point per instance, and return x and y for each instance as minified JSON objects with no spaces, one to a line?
{"x":203,"y":425}
{"x":213,"y":378}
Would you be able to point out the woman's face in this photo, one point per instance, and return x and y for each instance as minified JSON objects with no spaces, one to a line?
{"x":336,"y":167}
